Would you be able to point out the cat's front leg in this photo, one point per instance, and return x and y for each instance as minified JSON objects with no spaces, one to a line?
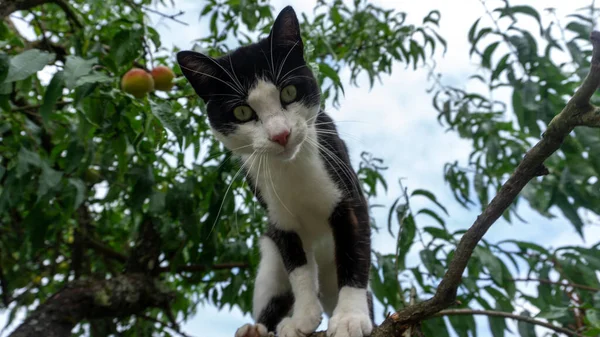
{"x":302,"y":271}
{"x":352,"y":235}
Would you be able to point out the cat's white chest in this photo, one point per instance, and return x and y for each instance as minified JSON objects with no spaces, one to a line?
{"x":299,"y":194}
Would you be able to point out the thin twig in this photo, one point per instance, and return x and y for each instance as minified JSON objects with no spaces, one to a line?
{"x":164,"y":325}
{"x":71,"y":15}
{"x":530,"y":320}
{"x":167,"y":16}
{"x":28,"y":108}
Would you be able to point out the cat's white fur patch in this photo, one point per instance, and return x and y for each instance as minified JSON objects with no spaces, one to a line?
{"x":271,"y":279}
{"x":251,"y":330}
{"x":301,"y":196}
{"x":264,"y":99}
{"x":307,"y":311}
{"x":351,"y":315}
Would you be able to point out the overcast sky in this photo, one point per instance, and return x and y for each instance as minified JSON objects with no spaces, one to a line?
{"x":396,"y":122}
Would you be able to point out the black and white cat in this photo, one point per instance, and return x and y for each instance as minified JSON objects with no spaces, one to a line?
{"x":263,"y":103}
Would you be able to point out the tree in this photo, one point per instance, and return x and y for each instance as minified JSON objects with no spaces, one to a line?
{"x":106,"y":225}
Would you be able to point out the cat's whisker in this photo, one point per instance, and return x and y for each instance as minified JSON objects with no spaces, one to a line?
{"x":348,"y":172}
{"x":296,"y":77}
{"x":234,"y":74}
{"x":274,"y":190}
{"x":283,"y":78}
{"x":227,"y":191}
{"x":285,"y":59}
{"x":335,"y":133}
{"x":213,"y":77}
{"x":241,"y":89}
{"x":340,"y":180}
{"x":268,"y":63}
{"x":257,"y":180}
{"x":246,"y":183}
{"x":344,"y":121}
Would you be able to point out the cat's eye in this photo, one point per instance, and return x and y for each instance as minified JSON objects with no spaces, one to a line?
{"x":288,"y":94}
{"x":243,"y":113}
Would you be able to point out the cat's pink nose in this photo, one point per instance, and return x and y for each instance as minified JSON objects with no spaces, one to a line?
{"x":281,"y":138}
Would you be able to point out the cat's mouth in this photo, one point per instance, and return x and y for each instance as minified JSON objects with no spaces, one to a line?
{"x":291,"y":150}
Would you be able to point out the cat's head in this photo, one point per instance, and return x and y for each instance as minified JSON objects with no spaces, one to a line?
{"x":262,"y":97}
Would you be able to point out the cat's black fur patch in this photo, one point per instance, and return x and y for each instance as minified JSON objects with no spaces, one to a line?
{"x":277,"y":308}
{"x":290,"y":247}
{"x":349,"y":221}
{"x":245,"y":65}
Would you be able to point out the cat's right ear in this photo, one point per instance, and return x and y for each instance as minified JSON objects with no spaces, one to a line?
{"x":200,"y":70}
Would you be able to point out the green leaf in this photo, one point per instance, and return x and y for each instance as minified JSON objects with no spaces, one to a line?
{"x":432,"y":214}
{"x":164,"y":112}
{"x":464,"y":326}
{"x":26,"y":159}
{"x":524,"y":9}
{"x":517,"y":104}
{"x":329,"y":72}
{"x":570,"y":212}
{"x":497,"y":326}
{"x":48,"y":180}
{"x":52,"y":94}
{"x":4,"y":66}
{"x":75,"y":68}
{"x":157,"y":202}
{"x":430,"y":196}
{"x":435,"y":327}
{"x":593,"y":316}
{"x":553,"y":312}
{"x":80,"y":191}
{"x":472,"y":30}
{"x":526,"y":329}
{"x":126,"y":46}
{"x":582,"y":31}
{"x":438,"y":233}
{"x":27,"y":63}
{"x":500,"y":67}
{"x":487,"y":55}
{"x":94,"y":77}
{"x":406,"y":239}
{"x":491,"y":262}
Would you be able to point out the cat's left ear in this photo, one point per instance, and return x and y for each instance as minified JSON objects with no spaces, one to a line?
{"x":200,"y":70}
{"x":286,"y":29}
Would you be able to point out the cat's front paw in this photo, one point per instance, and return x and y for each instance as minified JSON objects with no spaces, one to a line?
{"x":252,"y":330}
{"x":350,"y":324}
{"x":304,"y":321}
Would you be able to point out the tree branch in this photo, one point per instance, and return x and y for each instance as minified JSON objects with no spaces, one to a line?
{"x":120,"y":296}
{"x":530,"y":320}
{"x":194,"y":268}
{"x":577,"y":112}
{"x":4,"y":288}
{"x":8,"y":7}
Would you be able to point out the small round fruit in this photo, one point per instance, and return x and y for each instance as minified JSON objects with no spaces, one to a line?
{"x":163,"y":78}
{"x":137,"y":82}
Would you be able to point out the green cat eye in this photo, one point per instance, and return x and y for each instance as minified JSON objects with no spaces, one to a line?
{"x":288,"y":94}
{"x":243,"y":113}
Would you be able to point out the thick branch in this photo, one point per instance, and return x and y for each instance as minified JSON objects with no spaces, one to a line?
{"x":8,"y":7}
{"x":530,"y":320}
{"x":120,"y":296}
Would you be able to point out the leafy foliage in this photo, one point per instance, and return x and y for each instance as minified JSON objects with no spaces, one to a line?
{"x":82,"y":163}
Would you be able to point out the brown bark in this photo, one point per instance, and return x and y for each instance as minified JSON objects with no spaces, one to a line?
{"x":92,"y":299}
